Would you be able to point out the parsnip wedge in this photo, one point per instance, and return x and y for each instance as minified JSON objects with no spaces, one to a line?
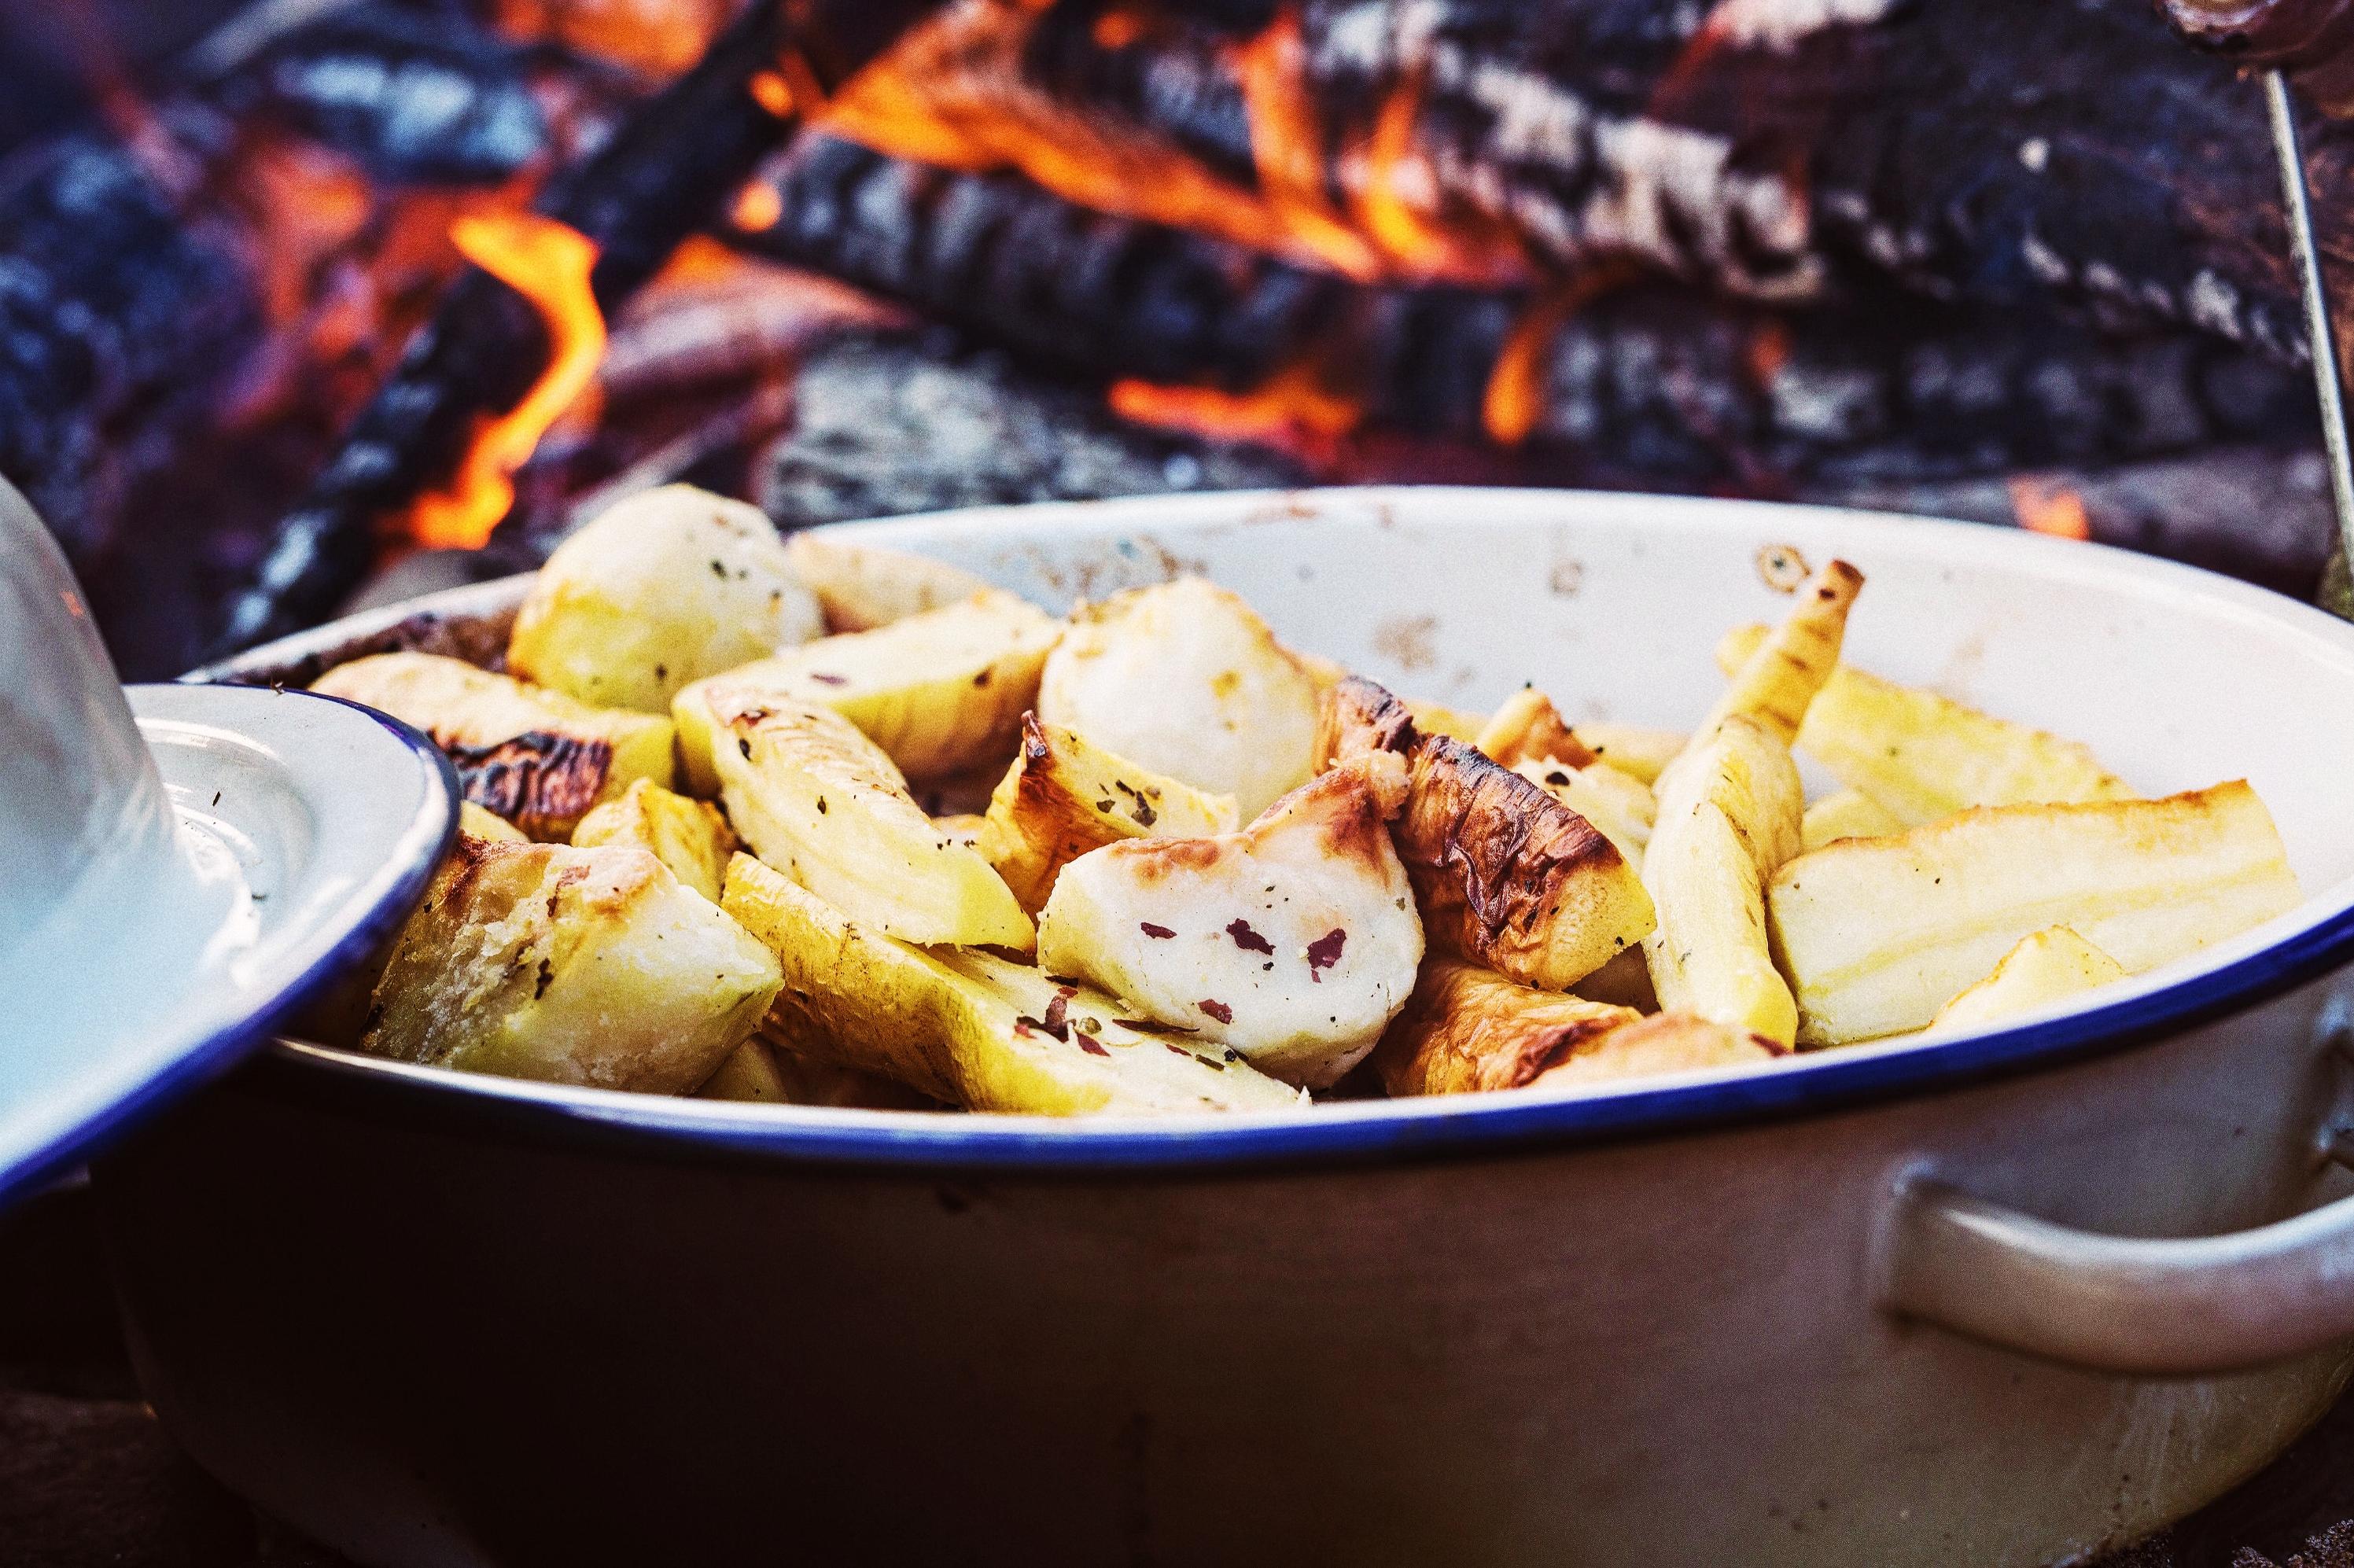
{"x":687,"y":835}
{"x":1293,"y":941}
{"x":2047,"y":967}
{"x":1921,"y":756}
{"x":1063,"y":798}
{"x":817,"y":799}
{"x":1849,"y":814}
{"x":1664,"y":1043}
{"x":1186,"y":679}
{"x":1729,"y":815}
{"x":1777,"y":682}
{"x":862,"y":587}
{"x":761,"y":1072}
{"x":1529,"y":728}
{"x":534,"y":757}
{"x":1876,"y":934}
{"x":938,"y":691}
{"x":1505,"y":876}
{"x":575,"y":966}
{"x":1621,"y":805}
{"x":1633,"y":750}
{"x":1468,"y":1030}
{"x":971,"y":1029}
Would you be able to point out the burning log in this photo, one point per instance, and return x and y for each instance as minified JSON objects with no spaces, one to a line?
{"x":662,"y":173}
{"x":1661,"y":381}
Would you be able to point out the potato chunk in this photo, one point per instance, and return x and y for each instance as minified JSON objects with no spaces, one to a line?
{"x":664,"y":588}
{"x":472,"y":819}
{"x":2047,"y":967}
{"x":688,"y":836}
{"x":971,"y":1029}
{"x":1063,"y":797}
{"x":816,"y":798}
{"x":1921,"y":756}
{"x":938,"y":691}
{"x":1505,"y":876}
{"x":1664,"y":1043}
{"x":575,"y":966}
{"x":1293,"y":941}
{"x":1468,"y":1030}
{"x":534,"y":757}
{"x":1876,"y":934}
{"x":1186,"y":679}
{"x":862,"y":587}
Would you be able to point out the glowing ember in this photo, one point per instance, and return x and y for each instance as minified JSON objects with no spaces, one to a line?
{"x":772,"y":92}
{"x":1515,"y":399}
{"x":1294,"y":408}
{"x":548,"y":264}
{"x":658,"y":37}
{"x":2048,"y":506}
{"x":757,"y":207}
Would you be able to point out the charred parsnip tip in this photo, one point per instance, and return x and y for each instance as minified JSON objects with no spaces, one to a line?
{"x":660,"y":589}
{"x":1664,"y":1043}
{"x":1777,"y":682}
{"x":1293,"y":941}
{"x":1468,"y":1030}
{"x":1505,"y":876}
{"x":576,"y":965}
{"x":1919,"y":757}
{"x":1619,"y":804}
{"x":534,"y":757}
{"x":975,"y":1030}
{"x":482,"y":824}
{"x":2047,"y":967}
{"x":688,"y":836}
{"x":1186,"y":679}
{"x":1729,"y":815}
{"x":817,"y":799}
{"x":862,"y":587}
{"x":1849,"y":814}
{"x":939,"y":690}
{"x":1529,"y":728}
{"x":1877,"y":933}
{"x":1063,"y":798}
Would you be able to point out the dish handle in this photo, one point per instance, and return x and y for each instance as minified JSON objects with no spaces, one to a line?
{"x":2202,"y":1306}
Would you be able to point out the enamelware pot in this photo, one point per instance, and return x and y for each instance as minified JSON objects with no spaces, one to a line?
{"x":2006,"y":1298}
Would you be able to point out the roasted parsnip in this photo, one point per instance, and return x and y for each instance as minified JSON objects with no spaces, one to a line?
{"x":687,"y":835}
{"x":939,"y":690}
{"x":534,"y":757}
{"x":1634,"y":750}
{"x":1468,"y":1030}
{"x":1663,"y":1043}
{"x":971,"y":1029}
{"x":862,"y":587}
{"x":1186,"y":679}
{"x":2048,"y":966}
{"x":1777,"y":682}
{"x":1504,"y":875}
{"x":1849,"y":814}
{"x":817,"y":799}
{"x":1063,"y":797}
{"x":664,"y":588}
{"x":1293,"y":941}
{"x":1529,"y":728}
{"x":576,"y":965}
{"x":1921,"y":756}
{"x":1619,"y":804}
{"x":472,"y":819}
{"x":1877,"y":933}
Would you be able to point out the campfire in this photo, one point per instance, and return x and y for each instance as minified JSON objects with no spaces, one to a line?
{"x":355,"y":296}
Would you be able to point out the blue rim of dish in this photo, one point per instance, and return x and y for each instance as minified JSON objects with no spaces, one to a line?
{"x":213,"y":1054}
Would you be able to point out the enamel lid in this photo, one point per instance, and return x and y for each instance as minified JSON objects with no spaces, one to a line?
{"x":181,"y":867}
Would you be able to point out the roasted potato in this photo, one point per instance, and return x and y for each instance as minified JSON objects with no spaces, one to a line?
{"x":939,"y":690}
{"x":2047,"y":967}
{"x":961,"y":827}
{"x":1877,"y":933}
{"x":1729,"y":815}
{"x":862,"y":587}
{"x":575,"y":966}
{"x":687,"y":835}
{"x":1293,"y":941}
{"x":1664,"y":1043}
{"x":817,"y":799}
{"x":1466,"y":1030}
{"x":1619,"y":804}
{"x":759,"y":1072}
{"x":535,"y":758}
{"x":1063,"y":797}
{"x":1529,"y":728}
{"x":1504,"y":875}
{"x":972,"y":1029}
{"x":1921,"y":756}
{"x":1186,"y":680}
{"x":1849,"y":814}
{"x":664,"y":588}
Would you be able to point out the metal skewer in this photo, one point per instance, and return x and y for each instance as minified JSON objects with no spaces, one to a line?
{"x":2328,"y":382}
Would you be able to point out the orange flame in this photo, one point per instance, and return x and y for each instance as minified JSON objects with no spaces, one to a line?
{"x":1287,"y":144}
{"x":1515,"y":398}
{"x":549,"y":264}
{"x":658,"y":37}
{"x":2049,"y":506}
{"x":1294,"y":408}
{"x":757,"y":206}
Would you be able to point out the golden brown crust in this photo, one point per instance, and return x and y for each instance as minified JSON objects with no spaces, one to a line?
{"x":1663,"y":1043}
{"x":1529,"y":728}
{"x":540,"y":781}
{"x":1466,"y":1030}
{"x":1355,"y":716}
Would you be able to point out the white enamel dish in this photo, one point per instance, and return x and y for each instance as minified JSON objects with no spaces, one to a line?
{"x":1682,"y":1320}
